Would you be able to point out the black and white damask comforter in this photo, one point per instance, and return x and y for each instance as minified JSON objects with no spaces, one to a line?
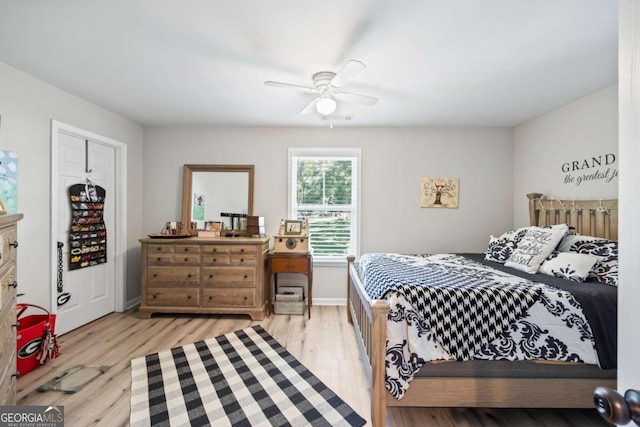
{"x":448,"y":307}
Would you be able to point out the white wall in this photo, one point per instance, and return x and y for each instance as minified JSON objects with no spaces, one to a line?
{"x":27,"y":106}
{"x":393,"y":163}
{"x":629,"y":292}
{"x":580,"y":130}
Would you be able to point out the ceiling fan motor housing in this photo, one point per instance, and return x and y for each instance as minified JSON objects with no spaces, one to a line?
{"x":322,"y":80}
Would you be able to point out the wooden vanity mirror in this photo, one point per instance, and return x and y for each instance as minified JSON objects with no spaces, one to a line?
{"x":211,"y":190}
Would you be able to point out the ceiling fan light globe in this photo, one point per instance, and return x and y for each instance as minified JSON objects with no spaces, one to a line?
{"x":326,"y":106}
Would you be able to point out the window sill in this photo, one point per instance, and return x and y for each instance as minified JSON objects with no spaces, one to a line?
{"x":324,"y":262}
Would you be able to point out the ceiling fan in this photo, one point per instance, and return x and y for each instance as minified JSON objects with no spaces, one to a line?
{"x":327,"y":86}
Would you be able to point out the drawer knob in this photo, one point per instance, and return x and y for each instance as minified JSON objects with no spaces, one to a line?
{"x":186,"y":249}
{"x":189,"y":275}
{"x":14,"y":244}
{"x":210,"y":276}
{"x":155,"y":275}
{"x":210,"y":298}
{"x":246,"y":276}
{"x":214,"y":260}
{"x":186,"y":259}
{"x":159,"y":248}
{"x":13,"y":284}
{"x":241,"y":259}
{"x":159,"y":258}
{"x":188,"y":296}
{"x":245,"y":298}
{"x":154,"y":296}
{"x":241,"y":250}
{"x":215,"y":250}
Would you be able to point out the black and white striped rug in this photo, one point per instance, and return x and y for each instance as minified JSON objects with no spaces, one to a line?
{"x":245,"y":378}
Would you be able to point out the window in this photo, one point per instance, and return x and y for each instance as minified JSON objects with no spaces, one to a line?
{"x":324,"y":190}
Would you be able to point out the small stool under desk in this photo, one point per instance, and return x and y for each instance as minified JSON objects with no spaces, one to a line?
{"x":290,"y":262}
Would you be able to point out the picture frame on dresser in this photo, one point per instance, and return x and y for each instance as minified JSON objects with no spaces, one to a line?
{"x":292,"y":227}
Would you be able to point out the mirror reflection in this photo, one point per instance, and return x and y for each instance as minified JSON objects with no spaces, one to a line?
{"x":216,"y":193}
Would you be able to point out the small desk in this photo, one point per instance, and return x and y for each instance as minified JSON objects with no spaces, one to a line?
{"x":290,"y":262}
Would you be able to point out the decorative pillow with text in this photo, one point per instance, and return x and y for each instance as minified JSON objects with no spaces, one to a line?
{"x":535,"y":246}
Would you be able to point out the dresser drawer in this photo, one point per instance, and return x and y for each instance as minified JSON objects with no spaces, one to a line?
{"x":228,"y":276}
{"x":249,"y":260}
{"x":9,"y":237}
{"x":249,"y":250}
{"x":229,"y":297}
{"x":7,"y":353}
{"x":174,"y":275}
{"x":7,"y":291}
{"x":216,"y":249}
{"x":289,"y":265}
{"x":183,"y":297}
{"x":216,"y":259}
{"x":186,"y":249}
{"x":159,"y":249}
{"x":193,"y":259}
{"x":159,"y":258}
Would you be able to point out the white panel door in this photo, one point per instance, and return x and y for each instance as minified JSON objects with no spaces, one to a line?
{"x":92,"y":289}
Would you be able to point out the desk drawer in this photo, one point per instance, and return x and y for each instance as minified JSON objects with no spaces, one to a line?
{"x":289,"y":265}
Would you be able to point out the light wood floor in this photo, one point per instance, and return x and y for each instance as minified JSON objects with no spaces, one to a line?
{"x":325,"y":344}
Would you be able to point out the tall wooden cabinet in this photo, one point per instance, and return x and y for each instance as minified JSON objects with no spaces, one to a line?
{"x":205,"y":275}
{"x":8,"y":284}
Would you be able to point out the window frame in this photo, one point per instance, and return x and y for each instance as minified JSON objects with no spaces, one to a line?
{"x":322,"y":152}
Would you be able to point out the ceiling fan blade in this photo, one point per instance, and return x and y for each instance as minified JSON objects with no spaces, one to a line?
{"x":351,"y":69}
{"x":311,"y":107}
{"x":290,"y":86}
{"x":358,"y":99}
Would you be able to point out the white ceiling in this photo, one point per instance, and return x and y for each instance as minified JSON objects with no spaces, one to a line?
{"x":203,"y":62}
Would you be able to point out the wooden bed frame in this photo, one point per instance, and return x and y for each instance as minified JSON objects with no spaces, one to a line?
{"x":589,"y":217}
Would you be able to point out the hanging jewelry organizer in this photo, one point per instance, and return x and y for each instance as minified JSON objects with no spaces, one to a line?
{"x":88,"y":236}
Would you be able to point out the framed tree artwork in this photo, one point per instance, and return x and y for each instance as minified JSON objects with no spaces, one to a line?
{"x":439,"y":193}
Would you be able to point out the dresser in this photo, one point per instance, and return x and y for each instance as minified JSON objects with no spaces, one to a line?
{"x":8,"y":284}
{"x":205,"y":275}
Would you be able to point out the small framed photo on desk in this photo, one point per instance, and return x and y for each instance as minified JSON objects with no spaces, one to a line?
{"x":292,"y":227}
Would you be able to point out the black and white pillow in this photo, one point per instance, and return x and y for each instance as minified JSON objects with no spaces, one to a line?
{"x":501,"y":248}
{"x":605,"y":270}
{"x":569,"y":265}
{"x":535,"y":246}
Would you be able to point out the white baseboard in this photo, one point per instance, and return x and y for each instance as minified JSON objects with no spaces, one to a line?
{"x":132,"y":303}
{"x":329,"y":301}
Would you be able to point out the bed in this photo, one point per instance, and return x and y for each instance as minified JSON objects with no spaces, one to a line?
{"x":562,"y":382}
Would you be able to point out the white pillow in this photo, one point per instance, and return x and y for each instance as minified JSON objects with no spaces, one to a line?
{"x":535,"y":246}
{"x":569,"y":265}
{"x":606,"y":270}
